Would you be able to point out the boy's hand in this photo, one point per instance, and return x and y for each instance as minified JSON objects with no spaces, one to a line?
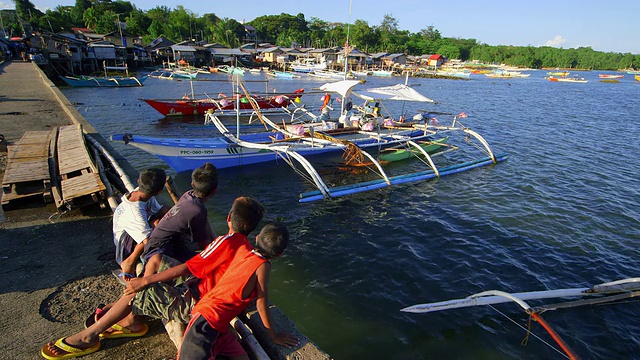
{"x":134,"y":285}
{"x":287,"y":340}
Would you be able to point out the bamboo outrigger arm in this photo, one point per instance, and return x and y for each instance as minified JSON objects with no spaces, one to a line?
{"x":482,"y":141}
{"x":426,"y":155}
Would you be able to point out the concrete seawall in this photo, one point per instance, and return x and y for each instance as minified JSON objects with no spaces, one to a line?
{"x":58,"y":265}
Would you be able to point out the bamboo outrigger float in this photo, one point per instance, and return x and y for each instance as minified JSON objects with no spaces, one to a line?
{"x":604,"y":293}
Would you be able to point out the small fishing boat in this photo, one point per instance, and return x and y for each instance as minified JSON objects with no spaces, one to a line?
{"x":558,"y":73}
{"x":283,"y":74}
{"x":190,"y":106}
{"x":172,"y":74}
{"x":382,"y":73}
{"x":613,"y":292}
{"x":610,"y":76}
{"x":106,"y":80}
{"x":567,"y":79}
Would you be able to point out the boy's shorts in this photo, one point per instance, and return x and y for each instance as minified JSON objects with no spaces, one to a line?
{"x":170,"y":301}
{"x":225,"y":344}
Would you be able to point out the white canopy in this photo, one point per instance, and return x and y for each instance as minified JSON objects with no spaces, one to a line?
{"x":342,"y":87}
{"x":395,"y":92}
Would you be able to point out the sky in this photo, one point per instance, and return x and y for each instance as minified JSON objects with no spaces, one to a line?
{"x":609,"y":26}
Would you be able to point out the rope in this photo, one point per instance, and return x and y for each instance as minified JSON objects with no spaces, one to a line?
{"x":528,"y":330}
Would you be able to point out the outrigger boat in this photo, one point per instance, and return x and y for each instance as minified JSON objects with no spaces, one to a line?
{"x":299,"y":141}
{"x":106,"y":80}
{"x":605,"y":293}
{"x":191,"y":106}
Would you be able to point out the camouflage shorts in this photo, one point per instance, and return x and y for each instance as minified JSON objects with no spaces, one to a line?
{"x":168,"y":301}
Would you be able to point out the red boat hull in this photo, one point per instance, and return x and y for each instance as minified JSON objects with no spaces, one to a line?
{"x":201,"y":106}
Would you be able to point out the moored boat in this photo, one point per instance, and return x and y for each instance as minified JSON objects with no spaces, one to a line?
{"x":610,"y":76}
{"x":105,"y":80}
{"x":187,"y":106}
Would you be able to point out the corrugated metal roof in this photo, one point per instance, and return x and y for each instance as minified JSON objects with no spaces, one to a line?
{"x":183,"y":48}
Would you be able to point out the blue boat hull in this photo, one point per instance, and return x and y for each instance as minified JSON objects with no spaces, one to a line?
{"x":187,"y":154}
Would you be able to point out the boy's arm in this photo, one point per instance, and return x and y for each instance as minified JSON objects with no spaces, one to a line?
{"x":155,"y":218}
{"x":128,"y":264}
{"x":137,"y":284}
{"x":262,"y":303}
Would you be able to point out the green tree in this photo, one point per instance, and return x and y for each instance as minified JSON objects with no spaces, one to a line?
{"x":77,"y":11}
{"x":138,"y":23}
{"x":27,"y":11}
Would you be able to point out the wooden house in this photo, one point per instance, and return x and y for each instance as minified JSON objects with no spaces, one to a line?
{"x":435,"y":60}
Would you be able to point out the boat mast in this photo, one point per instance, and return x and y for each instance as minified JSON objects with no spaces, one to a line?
{"x":346,"y":58}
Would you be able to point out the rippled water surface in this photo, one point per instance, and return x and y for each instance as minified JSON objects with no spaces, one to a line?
{"x":562,"y":211}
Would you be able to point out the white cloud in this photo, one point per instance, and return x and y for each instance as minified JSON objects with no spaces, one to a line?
{"x":557,"y":41}
{"x":7,"y":6}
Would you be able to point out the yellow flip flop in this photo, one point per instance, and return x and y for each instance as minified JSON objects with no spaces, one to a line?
{"x":71,"y":351}
{"x":118,"y":331}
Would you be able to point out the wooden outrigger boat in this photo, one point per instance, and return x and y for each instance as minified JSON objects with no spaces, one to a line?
{"x":106,"y":80}
{"x":299,"y":143}
{"x":605,"y":293}
{"x":190,"y":106}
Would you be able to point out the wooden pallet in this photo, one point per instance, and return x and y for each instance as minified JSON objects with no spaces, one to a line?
{"x":27,"y":172}
{"x":79,"y":179}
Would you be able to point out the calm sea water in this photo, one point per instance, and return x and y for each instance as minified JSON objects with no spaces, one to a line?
{"x":562,"y":211}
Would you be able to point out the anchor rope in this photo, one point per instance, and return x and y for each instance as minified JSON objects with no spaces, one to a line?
{"x":529,"y":332}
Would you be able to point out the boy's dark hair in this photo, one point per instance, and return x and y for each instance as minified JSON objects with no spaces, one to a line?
{"x":245,"y":215}
{"x":151,"y":181}
{"x":204,"y":180}
{"x":272,"y":240}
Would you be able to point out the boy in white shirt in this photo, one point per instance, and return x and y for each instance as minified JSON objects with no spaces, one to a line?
{"x":135,"y":218}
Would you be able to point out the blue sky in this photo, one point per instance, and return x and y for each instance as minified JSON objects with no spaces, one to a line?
{"x":610,"y":26}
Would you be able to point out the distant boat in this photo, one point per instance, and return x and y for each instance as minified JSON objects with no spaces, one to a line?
{"x":308,"y":65}
{"x":106,"y":80}
{"x":558,"y":73}
{"x":382,"y":73}
{"x":565,"y":79}
{"x":610,"y":76}
{"x":171,"y":74}
{"x":283,"y":74}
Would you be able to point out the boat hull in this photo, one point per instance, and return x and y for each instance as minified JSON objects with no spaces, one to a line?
{"x":183,"y":107}
{"x":188,"y":154}
{"x":430,"y":147}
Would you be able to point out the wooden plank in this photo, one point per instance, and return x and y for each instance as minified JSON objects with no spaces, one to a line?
{"x":27,"y":172}
{"x":81,"y":185}
{"x":78,"y":174}
{"x":72,"y":150}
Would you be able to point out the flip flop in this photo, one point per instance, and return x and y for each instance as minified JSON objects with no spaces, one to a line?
{"x":118,"y":331}
{"x":92,"y":318}
{"x":120,"y":275}
{"x":71,"y":351}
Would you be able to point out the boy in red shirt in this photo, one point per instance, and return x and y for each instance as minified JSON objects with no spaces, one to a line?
{"x":148,"y":295}
{"x":244,"y":280}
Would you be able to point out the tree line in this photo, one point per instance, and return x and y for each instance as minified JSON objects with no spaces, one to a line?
{"x":180,"y":24}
